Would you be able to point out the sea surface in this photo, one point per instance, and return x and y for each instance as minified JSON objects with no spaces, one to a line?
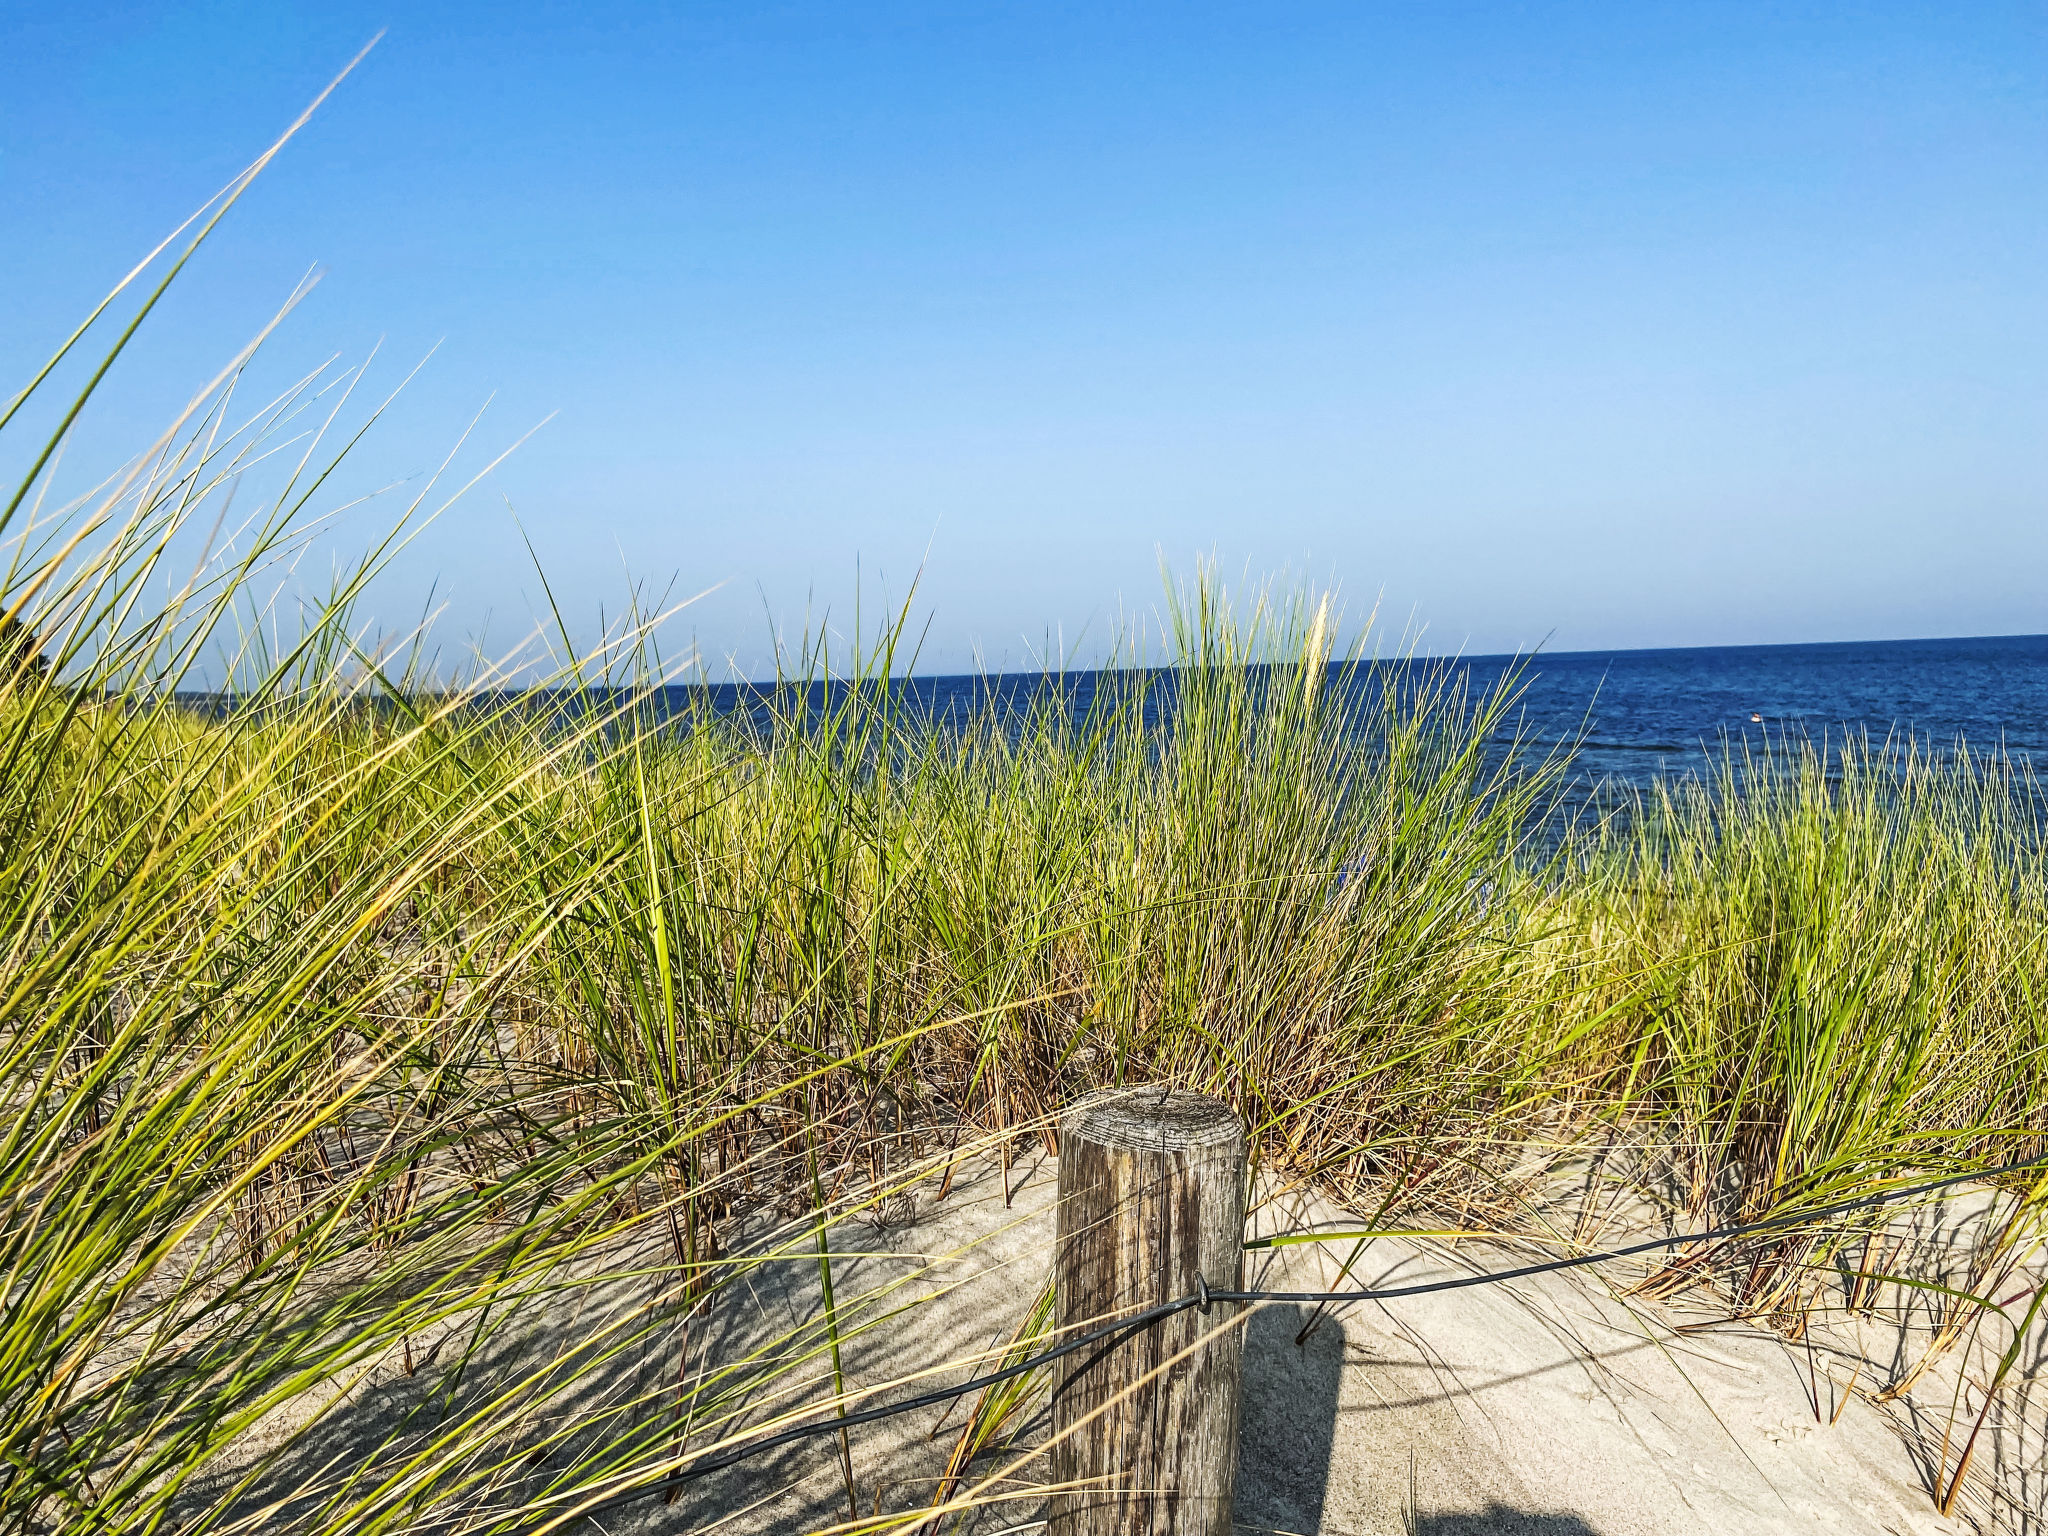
{"x":1647,"y":713}
{"x":1637,"y":715}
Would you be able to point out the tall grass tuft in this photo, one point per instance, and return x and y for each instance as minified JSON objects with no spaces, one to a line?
{"x":1840,"y":947}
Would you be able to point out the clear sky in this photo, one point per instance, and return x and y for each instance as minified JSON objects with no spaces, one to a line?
{"x":1618,"y":324}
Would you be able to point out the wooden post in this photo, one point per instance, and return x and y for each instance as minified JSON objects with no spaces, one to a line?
{"x":1152,"y":1187}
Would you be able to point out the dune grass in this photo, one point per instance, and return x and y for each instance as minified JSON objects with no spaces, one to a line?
{"x":351,"y":1023}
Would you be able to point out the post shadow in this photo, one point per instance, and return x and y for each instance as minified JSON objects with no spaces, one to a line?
{"x":1287,"y":1434}
{"x":1288,"y":1418}
{"x":1499,"y":1520}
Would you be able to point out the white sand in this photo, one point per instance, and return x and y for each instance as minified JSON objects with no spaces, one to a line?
{"x":1542,"y":1406}
{"x":1547,"y":1406}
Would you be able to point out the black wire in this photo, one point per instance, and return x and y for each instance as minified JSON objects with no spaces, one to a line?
{"x":1204,"y":1296}
{"x":1717,"y":1235}
{"x":1131,"y":1325}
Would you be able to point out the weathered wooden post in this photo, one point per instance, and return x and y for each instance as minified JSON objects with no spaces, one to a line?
{"x":1152,"y":1186}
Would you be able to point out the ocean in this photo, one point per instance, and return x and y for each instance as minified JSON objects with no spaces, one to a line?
{"x":1642,"y":714}
{"x":1648,"y":713}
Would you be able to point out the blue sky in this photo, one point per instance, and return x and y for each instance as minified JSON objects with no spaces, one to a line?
{"x":1621,"y":325}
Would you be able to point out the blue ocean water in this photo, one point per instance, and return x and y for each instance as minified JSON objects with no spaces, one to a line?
{"x":1647,"y":713}
{"x":1641,"y":714}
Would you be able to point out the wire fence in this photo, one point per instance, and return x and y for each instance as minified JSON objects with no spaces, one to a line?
{"x":1112,"y":1335}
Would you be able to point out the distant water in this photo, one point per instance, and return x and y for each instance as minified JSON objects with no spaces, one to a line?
{"x":1649,"y":713}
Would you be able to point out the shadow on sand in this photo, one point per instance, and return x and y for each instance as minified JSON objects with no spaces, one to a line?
{"x":1289,"y":1423}
{"x":1289,"y":1432}
{"x":1499,"y":1520}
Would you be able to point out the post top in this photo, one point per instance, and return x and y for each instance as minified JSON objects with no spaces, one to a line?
{"x":1152,"y":1119}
